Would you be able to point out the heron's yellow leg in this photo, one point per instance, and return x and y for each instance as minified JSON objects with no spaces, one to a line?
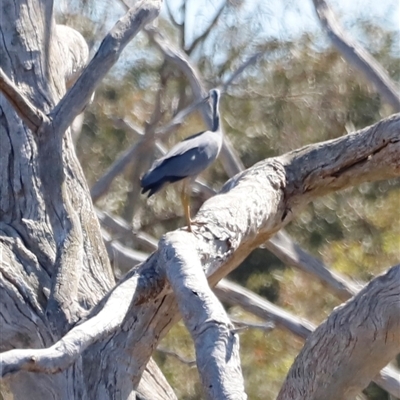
{"x":185,"y":199}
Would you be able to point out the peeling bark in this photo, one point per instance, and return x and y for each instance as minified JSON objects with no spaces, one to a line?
{"x":54,"y":263}
{"x":61,"y":316}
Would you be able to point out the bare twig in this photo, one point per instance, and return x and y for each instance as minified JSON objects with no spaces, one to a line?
{"x":235,"y":294}
{"x":122,"y":257}
{"x":244,"y":325}
{"x":204,"y":35}
{"x":32,"y":116}
{"x":118,"y":167}
{"x":119,"y":227}
{"x":252,"y":60}
{"x":122,"y":123}
{"x":183,"y":360}
{"x":179,"y":118}
{"x":357,"y":55}
{"x":142,"y":159}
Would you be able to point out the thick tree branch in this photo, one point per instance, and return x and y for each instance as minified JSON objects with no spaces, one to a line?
{"x":217,"y":345}
{"x":62,"y":307}
{"x":351,"y":346}
{"x":357,"y":55}
{"x":251,"y":208}
{"x":110,"y":49}
{"x":233,"y":294}
{"x":104,"y":320}
{"x":30,"y":115}
{"x":371,"y":154}
{"x":281,"y":245}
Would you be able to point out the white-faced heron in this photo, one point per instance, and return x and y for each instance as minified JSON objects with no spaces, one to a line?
{"x":187,"y":159}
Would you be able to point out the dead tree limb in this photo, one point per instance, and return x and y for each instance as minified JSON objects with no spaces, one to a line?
{"x":251,"y":207}
{"x":50,"y":240}
{"x":351,"y":346}
{"x":234,"y":294}
{"x":108,"y":53}
{"x":215,"y":340}
{"x":357,"y":55}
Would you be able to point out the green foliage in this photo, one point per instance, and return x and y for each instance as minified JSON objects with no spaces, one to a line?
{"x":295,"y":95}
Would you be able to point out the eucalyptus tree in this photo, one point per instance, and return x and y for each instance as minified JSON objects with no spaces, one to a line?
{"x":69,"y":330}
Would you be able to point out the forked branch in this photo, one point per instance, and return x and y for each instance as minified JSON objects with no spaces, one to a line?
{"x":108,"y":53}
{"x":251,"y":208}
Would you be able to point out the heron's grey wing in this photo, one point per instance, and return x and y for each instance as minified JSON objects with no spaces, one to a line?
{"x":187,"y":158}
{"x":200,"y":149}
{"x":188,"y":163}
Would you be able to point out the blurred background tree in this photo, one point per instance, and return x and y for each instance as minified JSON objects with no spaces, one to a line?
{"x":300,"y":90}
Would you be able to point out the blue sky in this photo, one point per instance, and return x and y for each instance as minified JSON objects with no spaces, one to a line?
{"x":282,"y":19}
{"x":290,"y":18}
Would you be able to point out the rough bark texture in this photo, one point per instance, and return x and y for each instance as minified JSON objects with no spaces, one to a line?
{"x":251,"y":207}
{"x":54,"y":265}
{"x":353,"y":344}
{"x":55,"y":272}
{"x":231,"y":293}
{"x":216,"y":343}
